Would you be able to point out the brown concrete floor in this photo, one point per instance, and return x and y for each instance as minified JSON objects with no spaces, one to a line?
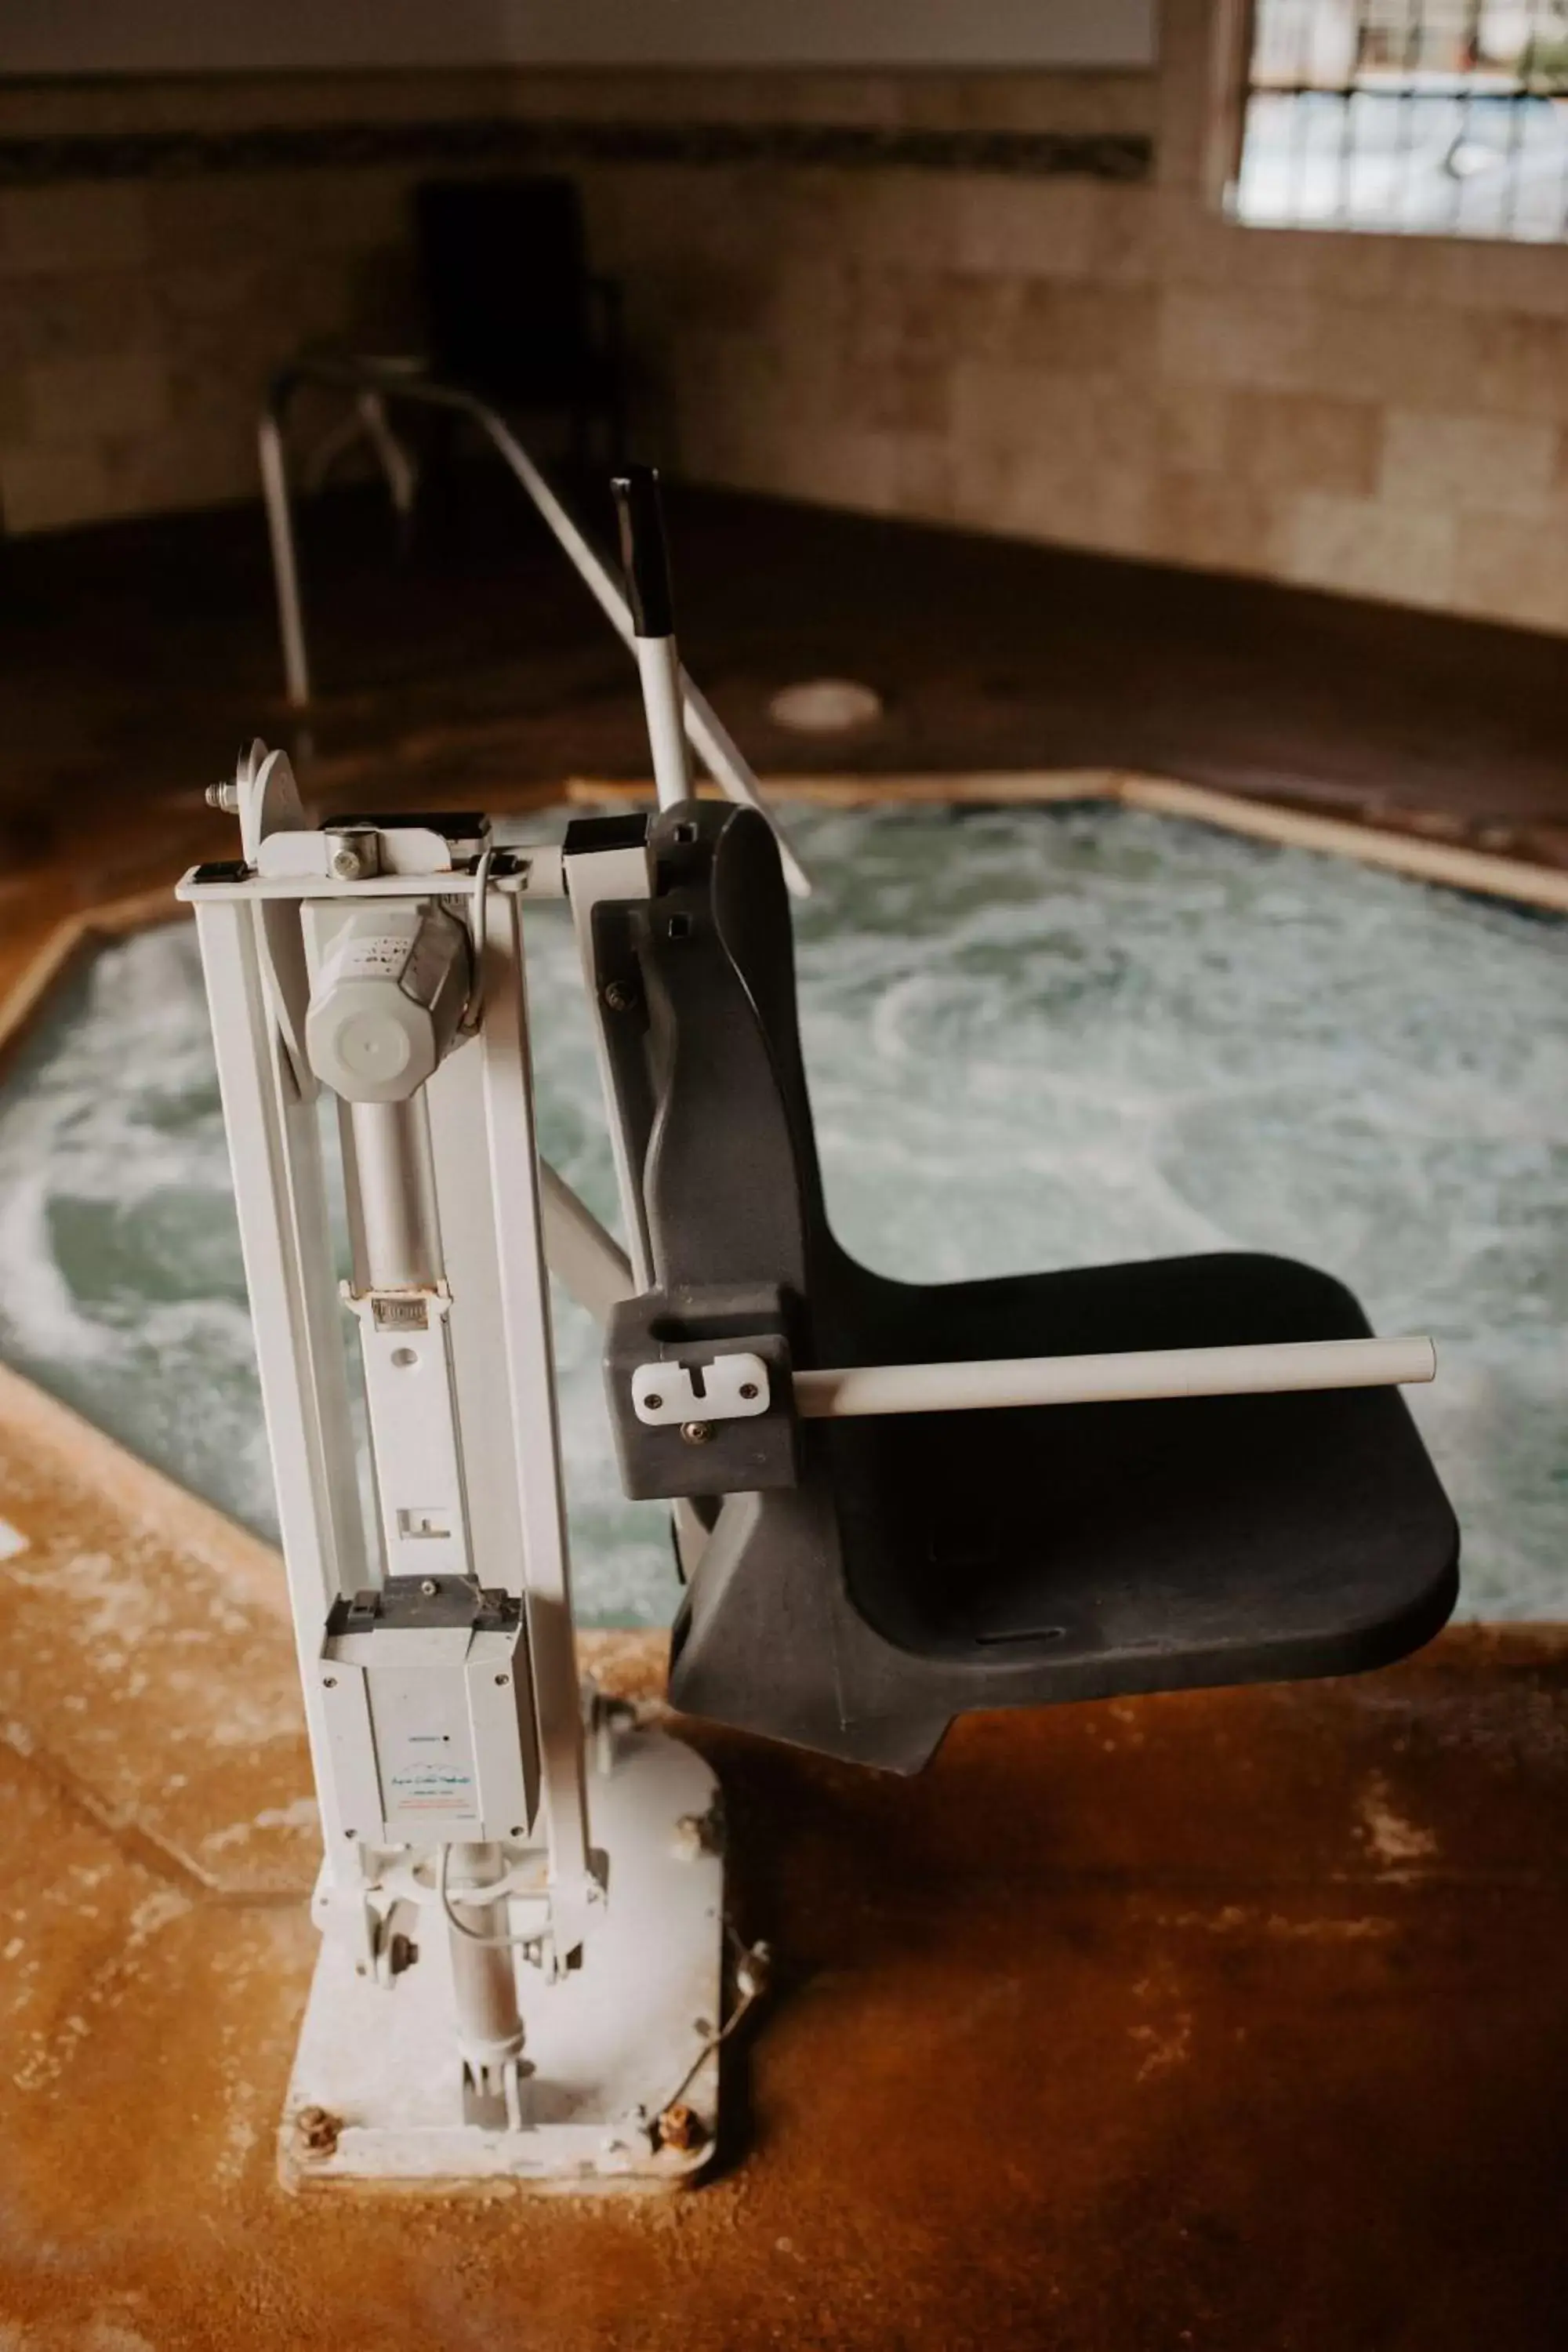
{"x":140,"y":653}
{"x":1232,"y":2021}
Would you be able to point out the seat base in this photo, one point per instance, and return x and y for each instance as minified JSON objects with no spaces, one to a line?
{"x":935,"y":1563}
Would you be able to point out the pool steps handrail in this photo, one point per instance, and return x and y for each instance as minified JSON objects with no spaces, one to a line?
{"x":374,"y":383}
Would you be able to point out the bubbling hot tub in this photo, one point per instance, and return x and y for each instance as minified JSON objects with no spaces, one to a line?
{"x":1037,"y":1036}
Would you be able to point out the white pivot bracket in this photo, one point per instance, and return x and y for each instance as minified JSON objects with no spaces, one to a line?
{"x":732,"y":1388}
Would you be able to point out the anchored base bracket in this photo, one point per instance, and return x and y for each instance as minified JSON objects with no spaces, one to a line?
{"x":376,"y":2093}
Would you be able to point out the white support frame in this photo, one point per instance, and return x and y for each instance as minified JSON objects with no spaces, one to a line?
{"x":506,"y":1064}
{"x":280,"y":1197}
{"x":608,"y":2043}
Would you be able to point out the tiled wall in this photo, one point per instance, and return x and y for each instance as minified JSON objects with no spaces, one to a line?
{"x":1094,"y":358}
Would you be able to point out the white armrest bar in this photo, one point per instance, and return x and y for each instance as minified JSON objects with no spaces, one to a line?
{"x":1106,"y":1379}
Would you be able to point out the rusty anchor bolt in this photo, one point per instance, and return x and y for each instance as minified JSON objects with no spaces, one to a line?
{"x":317,"y":2131}
{"x":681,"y":2127}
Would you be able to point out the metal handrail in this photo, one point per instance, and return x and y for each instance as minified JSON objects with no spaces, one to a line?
{"x":384,"y":380}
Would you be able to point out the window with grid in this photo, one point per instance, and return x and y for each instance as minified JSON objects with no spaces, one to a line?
{"x":1445,"y":118}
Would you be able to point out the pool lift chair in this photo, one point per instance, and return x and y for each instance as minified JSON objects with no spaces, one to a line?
{"x":893,"y":1502}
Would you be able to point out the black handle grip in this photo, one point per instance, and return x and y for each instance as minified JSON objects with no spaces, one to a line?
{"x":644,"y":555}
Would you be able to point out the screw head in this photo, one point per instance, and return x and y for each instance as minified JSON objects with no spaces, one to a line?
{"x":329,"y":1682}
{"x":317,"y":2130}
{"x":653,"y":1403}
{"x":429,"y":1587}
{"x":748,"y":1390}
{"x":681,"y":2129}
{"x":697,"y":1432}
{"x":619,"y":997}
{"x":502,"y":1680}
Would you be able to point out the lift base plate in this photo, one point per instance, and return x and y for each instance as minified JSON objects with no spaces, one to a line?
{"x":376,"y":2093}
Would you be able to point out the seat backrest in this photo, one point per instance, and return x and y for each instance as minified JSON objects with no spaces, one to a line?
{"x":504,"y":269}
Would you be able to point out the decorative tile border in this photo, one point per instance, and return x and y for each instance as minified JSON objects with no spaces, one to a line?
{"x":187,"y":154}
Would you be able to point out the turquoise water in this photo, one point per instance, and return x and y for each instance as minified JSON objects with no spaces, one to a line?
{"x":1035,"y":1037}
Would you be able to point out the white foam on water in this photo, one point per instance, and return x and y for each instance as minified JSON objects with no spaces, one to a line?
{"x":1035,"y":1037}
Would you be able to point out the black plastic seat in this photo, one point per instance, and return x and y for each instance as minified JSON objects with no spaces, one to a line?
{"x":929,"y":1564}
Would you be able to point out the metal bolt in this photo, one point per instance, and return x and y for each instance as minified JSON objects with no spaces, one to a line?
{"x":697,"y":1432}
{"x":346,"y":865}
{"x":429,"y":1587}
{"x":224,"y":798}
{"x":318,"y":2130}
{"x":502,"y":1680}
{"x":748,"y":1390}
{"x":689,"y":1842}
{"x":653,"y":1403}
{"x":681,"y":2127}
{"x":619,"y":997}
{"x":329,"y":1682}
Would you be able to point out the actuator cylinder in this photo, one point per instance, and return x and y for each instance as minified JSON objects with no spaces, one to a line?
{"x":484,"y":1974}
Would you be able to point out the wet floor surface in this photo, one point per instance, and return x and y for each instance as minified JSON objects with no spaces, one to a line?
{"x":1229,"y":2021}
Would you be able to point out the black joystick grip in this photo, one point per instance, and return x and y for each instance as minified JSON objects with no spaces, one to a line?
{"x":644,"y":555}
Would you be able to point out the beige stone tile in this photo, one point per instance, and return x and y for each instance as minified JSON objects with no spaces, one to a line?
{"x":1298,"y":440}
{"x":1193,"y":428}
{"x":222,"y":218}
{"x":1058,"y":456}
{"x":1072,"y":328}
{"x":1509,"y":568}
{"x":1362,"y":548}
{"x":1125,"y":244}
{"x":44,"y":488}
{"x":970,"y":316}
{"x":1347,"y":264}
{"x":1198,"y":246}
{"x":1416,"y":359}
{"x":1485,"y":274}
{"x":353,"y":209}
{"x":1033,"y":496}
{"x":1283,"y":440}
{"x":910,"y":220}
{"x":1023,"y":228}
{"x":1509,"y":464}
{"x":1218,"y":522}
{"x":16,"y":418}
{"x":77,"y":400}
{"x":1522,"y":366}
{"x":217,"y":102}
{"x":200,"y":463}
{"x":76,"y":225}
{"x":77,"y":314}
{"x":1256,"y":339}
{"x":902,"y":395}
{"x":1075,"y":102}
